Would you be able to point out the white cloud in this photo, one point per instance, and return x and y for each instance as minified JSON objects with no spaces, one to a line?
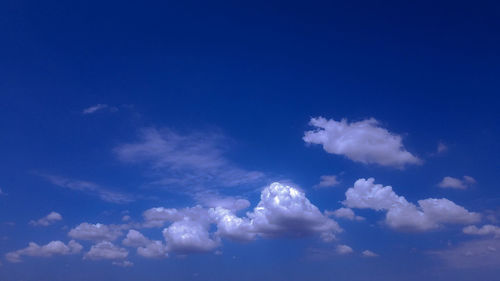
{"x":135,"y":239}
{"x":369,"y":254}
{"x":282,"y":211}
{"x":154,"y":249}
{"x":145,"y":247}
{"x":487,"y":229}
{"x":429,"y":214}
{"x":442,"y":148}
{"x":189,"y":236}
{"x":327,"y":181}
{"x":47,"y":220}
{"x":94,"y":108}
{"x":483,"y":253}
{"x":48,"y":250}
{"x":123,"y":263}
{"x":344,"y":250}
{"x":90,"y":188}
{"x":451,"y":182}
{"x":364,"y":141}
{"x":344,"y":213}
{"x":194,"y":161}
{"x":95,"y":232}
{"x":226,"y":202}
{"x":106,"y":250}
{"x":157,"y":217}
{"x":232,"y":227}
{"x":285,"y":210}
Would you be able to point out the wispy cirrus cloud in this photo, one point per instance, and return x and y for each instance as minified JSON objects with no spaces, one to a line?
{"x":98,"y":107}
{"x":193,"y":160}
{"x":89,"y":188}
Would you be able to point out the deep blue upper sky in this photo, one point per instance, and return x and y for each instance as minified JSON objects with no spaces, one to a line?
{"x":110,"y":109}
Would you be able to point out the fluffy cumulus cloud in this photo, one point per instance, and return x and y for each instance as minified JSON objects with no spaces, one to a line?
{"x":189,"y":236}
{"x":95,"y":232}
{"x":281,"y":211}
{"x":364,"y":141}
{"x":451,"y":182}
{"x":429,"y":214}
{"x":145,"y":247}
{"x":285,"y":210}
{"x":327,"y":181}
{"x":344,"y":213}
{"x":47,"y":220}
{"x":232,"y":227}
{"x":51,"y":249}
{"x":107,"y":251}
{"x":487,"y":229}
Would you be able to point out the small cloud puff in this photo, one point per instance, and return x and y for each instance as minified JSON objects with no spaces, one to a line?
{"x":47,"y":220}
{"x":364,"y":141}
{"x":451,"y":182}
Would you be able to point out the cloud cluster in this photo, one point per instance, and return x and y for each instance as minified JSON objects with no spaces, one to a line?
{"x":487,"y":229}
{"x":281,"y":211}
{"x":51,"y":249}
{"x":95,"y":232}
{"x":364,"y":141}
{"x":49,"y":219}
{"x":451,"y":182}
{"x":106,"y":250}
{"x":402,"y":215}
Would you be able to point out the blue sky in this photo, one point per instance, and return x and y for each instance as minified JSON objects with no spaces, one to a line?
{"x":268,"y":140}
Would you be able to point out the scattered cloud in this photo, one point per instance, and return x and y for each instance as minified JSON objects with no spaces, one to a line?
{"x":429,"y":214}
{"x":106,"y":250}
{"x":487,"y":229}
{"x":344,"y":250}
{"x":364,"y":141}
{"x":95,"y":232}
{"x":344,"y":213}
{"x":327,"y":181}
{"x":441,"y":148}
{"x":450,"y":182}
{"x":368,"y":254}
{"x":51,"y":249}
{"x":193,"y":161}
{"x":90,"y":188}
{"x":98,"y":107}
{"x":483,"y":253}
{"x":123,"y":263}
{"x":47,"y":220}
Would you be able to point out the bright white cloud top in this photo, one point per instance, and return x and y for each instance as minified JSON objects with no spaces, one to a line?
{"x":487,"y":229}
{"x":364,"y":141}
{"x":402,"y":215}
